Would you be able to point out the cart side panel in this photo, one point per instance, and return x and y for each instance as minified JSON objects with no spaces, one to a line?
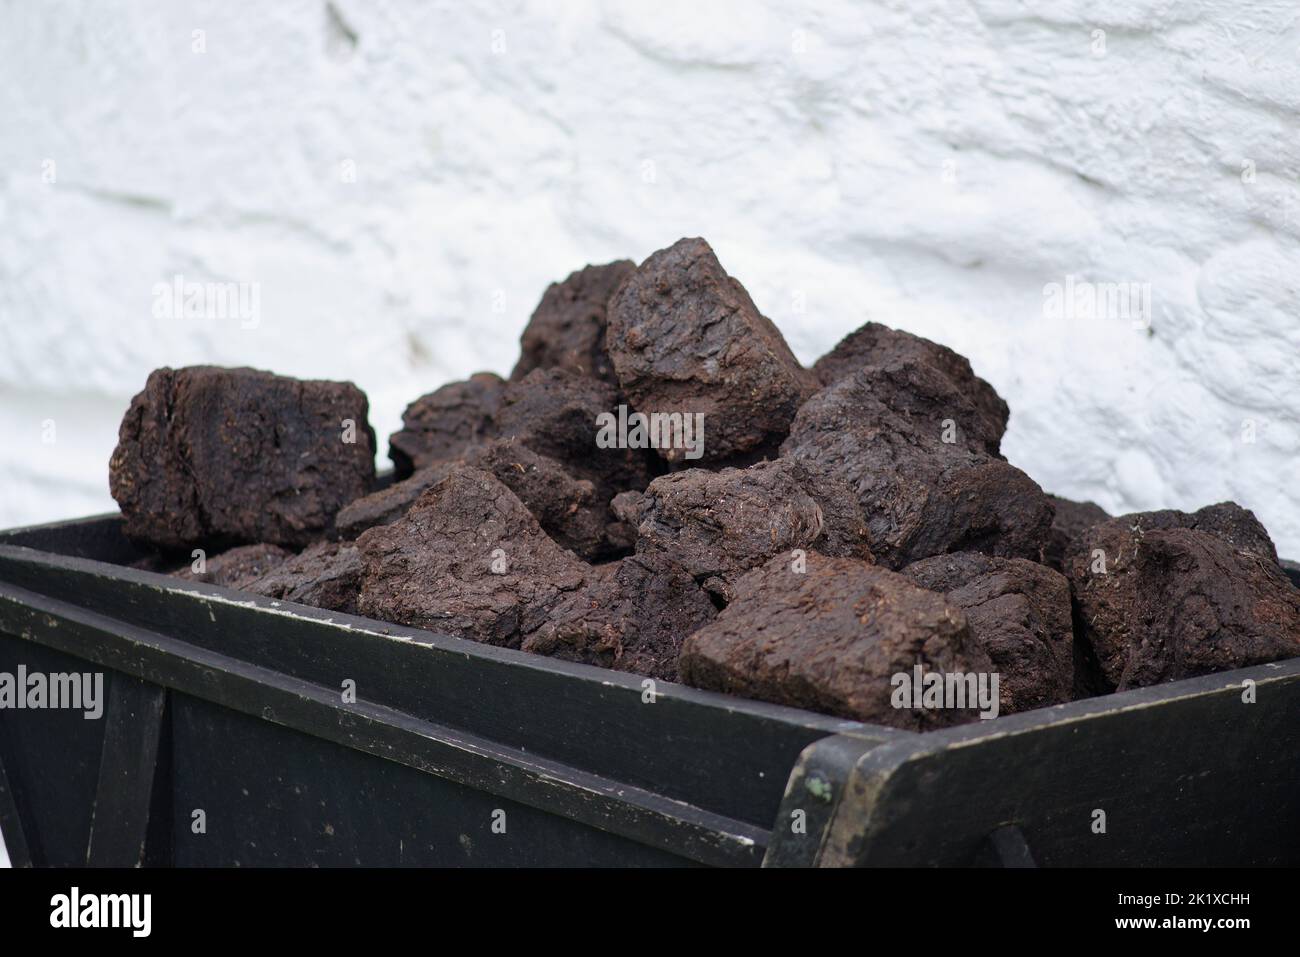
{"x":666,"y":738}
{"x":251,"y":793}
{"x":99,"y":538}
{"x":1202,"y":774}
{"x":51,"y":760}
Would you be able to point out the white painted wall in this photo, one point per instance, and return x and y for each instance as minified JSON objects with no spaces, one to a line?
{"x":929,"y":164}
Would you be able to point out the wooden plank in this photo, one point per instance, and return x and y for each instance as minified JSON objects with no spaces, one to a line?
{"x":816,"y":786}
{"x":120,"y":820}
{"x":11,"y":823}
{"x":158,"y":838}
{"x":646,"y":816}
{"x":99,"y":537}
{"x":1007,"y":847}
{"x":1187,"y":774}
{"x":284,"y":798}
{"x":51,"y":758}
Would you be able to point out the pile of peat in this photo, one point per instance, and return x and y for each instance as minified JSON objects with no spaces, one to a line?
{"x":660,"y":487}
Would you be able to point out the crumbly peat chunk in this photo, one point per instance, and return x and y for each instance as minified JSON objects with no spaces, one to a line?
{"x":984,"y":413}
{"x":831,"y":639}
{"x":719,"y":525}
{"x":684,"y":337}
{"x":880,"y":438}
{"x":567,"y":329}
{"x":1071,"y":521}
{"x":467,"y":559}
{"x":208,"y":455}
{"x":441,"y":425}
{"x":387,"y":505}
{"x":1019,"y":612}
{"x":235,"y":566}
{"x":555,"y":413}
{"x":632,"y":615}
{"x":325,"y":575}
{"x":1169,"y":595}
{"x":573,"y":511}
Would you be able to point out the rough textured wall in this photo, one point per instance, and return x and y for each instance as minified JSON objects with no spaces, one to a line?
{"x":402,"y":179}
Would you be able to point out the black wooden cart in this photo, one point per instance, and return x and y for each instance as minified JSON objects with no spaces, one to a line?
{"x":232,"y":736}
